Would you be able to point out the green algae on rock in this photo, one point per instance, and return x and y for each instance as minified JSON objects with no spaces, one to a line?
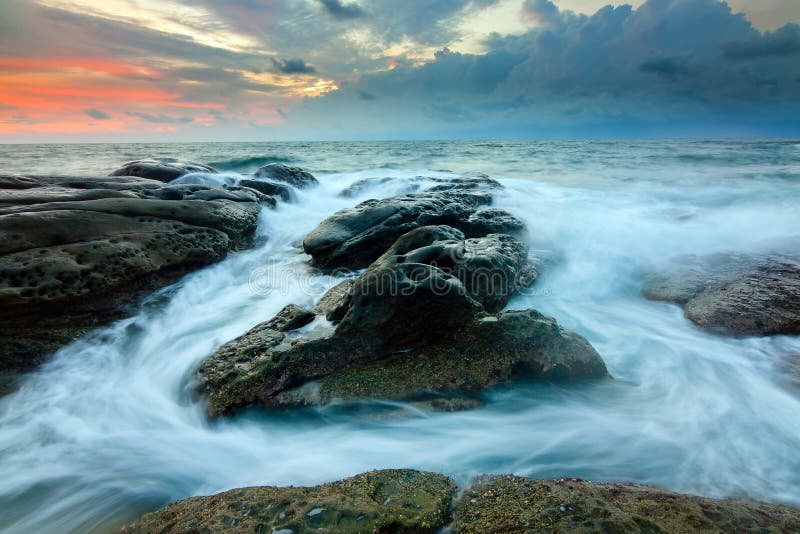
{"x":517,"y":504}
{"x":379,"y":501}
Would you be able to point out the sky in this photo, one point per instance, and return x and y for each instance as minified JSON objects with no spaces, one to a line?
{"x":262,"y":70}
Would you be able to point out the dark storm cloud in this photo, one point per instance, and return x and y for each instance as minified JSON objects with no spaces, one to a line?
{"x":782,"y":42}
{"x":667,"y":62}
{"x":97,"y":114}
{"x":292,"y":66}
{"x":160,"y":119}
{"x":340,"y":10}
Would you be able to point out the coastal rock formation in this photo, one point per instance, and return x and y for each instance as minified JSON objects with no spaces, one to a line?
{"x":399,"y":500}
{"x":417,"y":183}
{"x":161,"y":169}
{"x":273,"y":189}
{"x":517,"y":504}
{"x":294,"y":176}
{"x":73,"y":250}
{"x":412,"y":501}
{"x":735,"y":294}
{"x":355,"y":237}
{"x":491,"y":350}
{"x":413,"y":325}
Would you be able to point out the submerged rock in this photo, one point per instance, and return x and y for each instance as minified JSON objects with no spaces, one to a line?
{"x":417,"y":183}
{"x":734,"y":294}
{"x":294,"y":176}
{"x":355,"y":237}
{"x":379,"y":501}
{"x":516,"y":504}
{"x":161,"y":169}
{"x":73,"y":250}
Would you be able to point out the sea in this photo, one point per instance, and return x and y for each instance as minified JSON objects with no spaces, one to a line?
{"x":106,"y":430}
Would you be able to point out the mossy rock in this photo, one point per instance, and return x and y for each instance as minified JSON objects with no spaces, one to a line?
{"x":516,"y":504}
{"x":380,"y":501}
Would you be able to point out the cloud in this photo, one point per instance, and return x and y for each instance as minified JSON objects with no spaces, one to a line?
{"x":784,"y":41}
{"x":97,"y":114}
{"x":160,"y":119}
{"x":540,"y":11}
{"x":340,"y":10}
{"x":665,"y":65}
{"x":292,"y":66}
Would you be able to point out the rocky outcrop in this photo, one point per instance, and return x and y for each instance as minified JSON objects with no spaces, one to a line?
{"x":412,"y":501}
{"x":412,"y":326}
{"x":379,"y":501}
{"x":273,"y":189}
{"x":73,"y":250}
{"x":489,"y":351}
{"x":516,"y":504}
{"x":355,"y":237}
{"x":417,"y":183}
{"x":161,"y":169}
{"x":294,"y":176}
{"x":734,"y":294}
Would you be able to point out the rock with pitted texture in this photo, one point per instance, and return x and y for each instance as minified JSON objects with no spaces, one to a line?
{"x":516,"y":504}
{"x":294,"y":176}
{"x":355,"y":237}
{"x":73,"y":251}
{"x":734,"y":294}
{"x":399,"y":500}
{"x":161,"y":169}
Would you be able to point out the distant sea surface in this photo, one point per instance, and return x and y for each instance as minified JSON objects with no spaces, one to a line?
{"x":105,"y":431}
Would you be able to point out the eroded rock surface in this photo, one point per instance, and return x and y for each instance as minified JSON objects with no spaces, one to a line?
{"x":380,"y":501}
{"x":403,"y":500}
{"x":294,"y":176}
{"x":355,"y":237}
{"x":73,"y":250}
{"x":161,"y":169}
{"x":734,"y":294}
{"x":517,"y":504}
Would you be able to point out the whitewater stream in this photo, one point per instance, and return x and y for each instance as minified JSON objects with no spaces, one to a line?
{"x":106,"y":430}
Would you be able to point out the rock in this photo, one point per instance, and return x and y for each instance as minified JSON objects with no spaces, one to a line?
{"x":490,"y":351}
{"x":290,"y":318}
{"x":274,"y":189}
{"x":380,"y":501}
{"x":516,"y":504}
{"x":355,"y":237}
{"x":73,"y":251}
{"x":294,"y":176}
{"x":417,"y":183}
{"x":334,"y":303}
{"x":492,"y":221}
{"x":734,"y":294}
{"x":161,"y":169}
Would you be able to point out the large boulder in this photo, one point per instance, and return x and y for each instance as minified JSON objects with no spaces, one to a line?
{"x":403,"y":500}
{"x":273,"y":189}
{"x":734,"y":294}
{"x":73,"y":251}
{"x":161,"y":169}
{"x":489,"y":351}
{"x":294,"y":176}
{"x":398,"y":500}
{"x":517,"y":504}
{"x":353,"y":238}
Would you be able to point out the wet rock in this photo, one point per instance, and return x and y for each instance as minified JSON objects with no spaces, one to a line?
{"x":355,"y":237}
{"x":734,"y":294}
{"x":419,"y":183}
{"x":294,"y":176}
{"x":334,"y":303}
{"x":492,"y":221}
{"x":489,"y":351}
{"x":161,"y":169}
{"x":73,"y":251}
{"x":274,"y":189}
{"x":516,"y":504}
{"x":379,"y":501}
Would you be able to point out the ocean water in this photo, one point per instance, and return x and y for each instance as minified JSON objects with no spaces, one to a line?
{"x":106,"y":431}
